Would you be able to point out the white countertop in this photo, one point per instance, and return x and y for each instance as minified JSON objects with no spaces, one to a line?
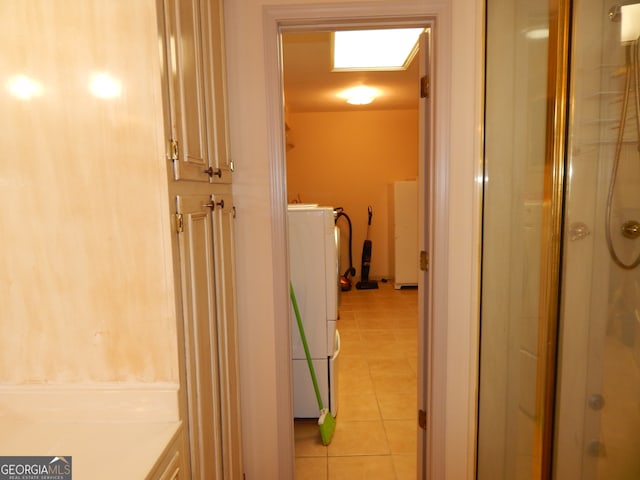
{"x":99,"y":450}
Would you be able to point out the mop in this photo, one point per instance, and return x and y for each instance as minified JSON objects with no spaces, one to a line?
{"x":326,"y":422}
{"x":365,"y":283}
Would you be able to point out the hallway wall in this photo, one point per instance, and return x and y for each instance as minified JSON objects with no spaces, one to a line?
{"x":348,"y":159}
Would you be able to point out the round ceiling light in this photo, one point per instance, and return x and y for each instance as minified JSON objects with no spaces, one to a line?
{"x":361,"y":95}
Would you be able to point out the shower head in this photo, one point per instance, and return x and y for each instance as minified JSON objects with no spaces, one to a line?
{"x":615,"y":12}
{"x":630,"y":22}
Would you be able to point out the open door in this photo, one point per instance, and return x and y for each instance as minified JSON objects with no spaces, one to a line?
{"x":425,"y":203}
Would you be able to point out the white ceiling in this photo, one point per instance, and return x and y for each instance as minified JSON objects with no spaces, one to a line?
{"x":311,"y":86}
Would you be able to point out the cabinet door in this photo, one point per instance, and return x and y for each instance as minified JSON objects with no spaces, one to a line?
{"x":216,"y":91}
{"x":185,"y":83}
{"x":196,"y":104}
{"x":199,"y":312}
{"x":223,"y":228}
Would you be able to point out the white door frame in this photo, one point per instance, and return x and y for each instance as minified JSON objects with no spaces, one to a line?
{"x":439,"y":15}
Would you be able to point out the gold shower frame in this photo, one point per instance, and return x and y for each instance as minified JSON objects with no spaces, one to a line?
{"x":551,"y":242}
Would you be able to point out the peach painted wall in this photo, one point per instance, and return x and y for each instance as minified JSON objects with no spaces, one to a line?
{"x":348,"y":159}
{"x":85,"y":269}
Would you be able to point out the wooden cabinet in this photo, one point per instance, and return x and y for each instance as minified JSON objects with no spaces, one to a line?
{"x":199,"y":175}
{"x":193,"y":61}
{"x":170,"y":465}
{"x":204,"y":228}
{"x":223,"y":216}
{"x":199,"y":315}
{"x":172,"y":471}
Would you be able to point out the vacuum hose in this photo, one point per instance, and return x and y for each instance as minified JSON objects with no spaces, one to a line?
{"x":631,"y":54}
{"x":339,"y":212}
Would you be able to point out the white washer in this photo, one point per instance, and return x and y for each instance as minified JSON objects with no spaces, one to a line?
{"x":314,"y":273}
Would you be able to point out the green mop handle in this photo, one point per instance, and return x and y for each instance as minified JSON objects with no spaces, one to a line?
{"x":306,"y":346}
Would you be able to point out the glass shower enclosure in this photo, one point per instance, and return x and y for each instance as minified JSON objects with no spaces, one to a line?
{"x":559,"y":393}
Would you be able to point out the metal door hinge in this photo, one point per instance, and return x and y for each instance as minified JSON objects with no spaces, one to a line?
{"x":424,"y":87}
{"x":172,"y":153}
{"x":179,"y":223}
{"x":422,"y":419}
{"x":424,"y":261}
{"x":232,"y":166}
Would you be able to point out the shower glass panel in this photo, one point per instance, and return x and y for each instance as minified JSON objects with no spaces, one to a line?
{"x":517,"y":58}
{"x":583,"y":399}
{"x":598,"y":395}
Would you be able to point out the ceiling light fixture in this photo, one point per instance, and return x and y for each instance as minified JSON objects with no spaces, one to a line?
{"x":389,"y":49}
{"x":361,"y":95}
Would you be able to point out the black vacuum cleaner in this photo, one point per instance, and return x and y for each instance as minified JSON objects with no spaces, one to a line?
{"x":365,"y":283}
{"x":345,"y":281}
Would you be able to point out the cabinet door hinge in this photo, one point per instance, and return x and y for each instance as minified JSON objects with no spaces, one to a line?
{"x":232,"y":166}
{"x":424,"y":87}
{"x":172,"y":151}
{"x":179,"y":223}
{"x":424,"y":261}
{"x":422,"y":419}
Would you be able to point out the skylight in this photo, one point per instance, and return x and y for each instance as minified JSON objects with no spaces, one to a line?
{"x":390,"y":49}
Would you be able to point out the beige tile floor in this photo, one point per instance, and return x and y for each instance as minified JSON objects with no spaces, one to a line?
{"x":376,"y":428}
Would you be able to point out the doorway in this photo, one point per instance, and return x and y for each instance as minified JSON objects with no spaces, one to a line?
{"x":375,"y":159}
{"x":349,"y":157}
{"x":448,"y":402}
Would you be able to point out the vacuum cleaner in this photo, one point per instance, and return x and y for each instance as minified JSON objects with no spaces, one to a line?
{"x":365,"y":283}
{"x":345,"y":281}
